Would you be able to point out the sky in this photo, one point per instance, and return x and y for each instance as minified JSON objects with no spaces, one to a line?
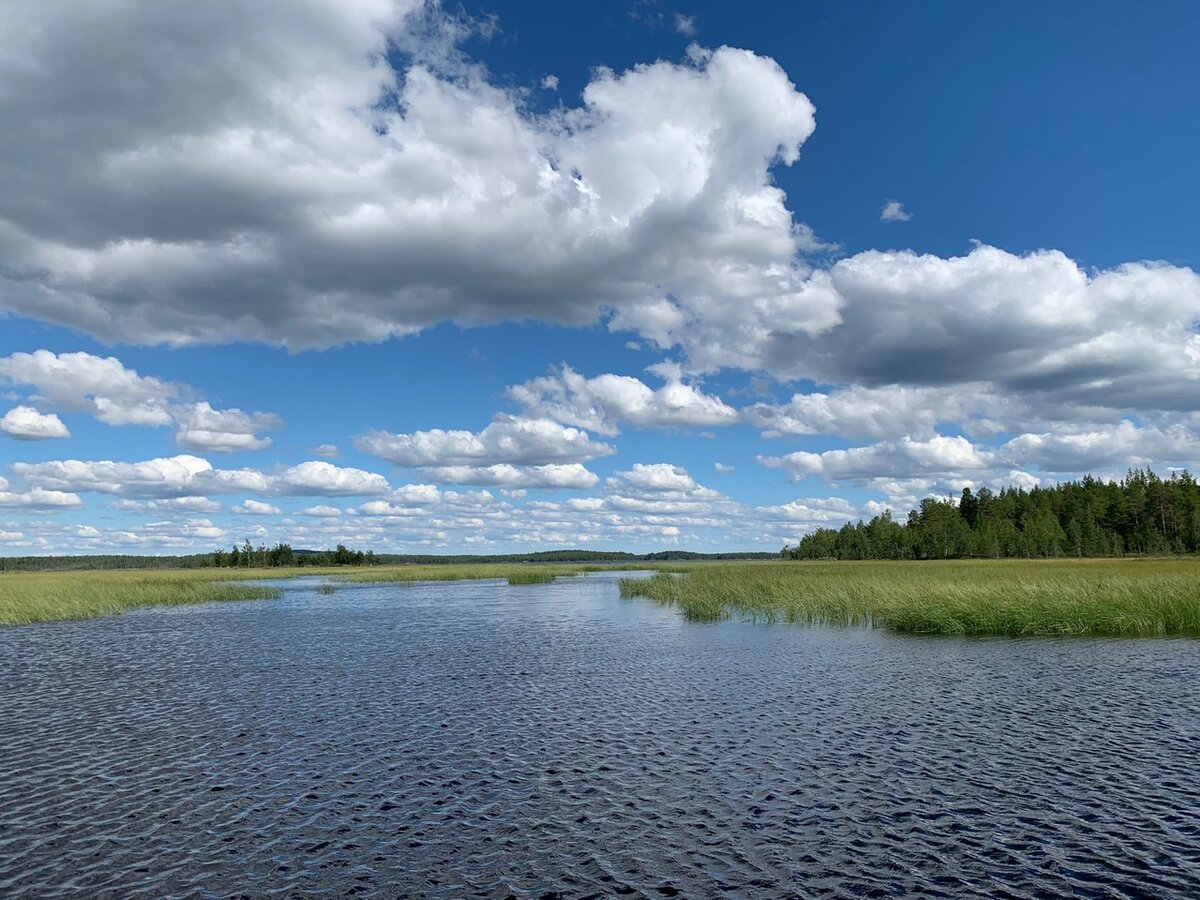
{"x":510,"y":276}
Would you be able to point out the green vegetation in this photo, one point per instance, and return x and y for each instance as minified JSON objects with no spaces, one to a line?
{"x":1141,"y":515}
{"x":533,"y":576}
{"x":325,"y":589}
{"x":1064,"y":597}
{"x":283,"y":556}
{"x":514,"y":574}
{"x":43,"y":597}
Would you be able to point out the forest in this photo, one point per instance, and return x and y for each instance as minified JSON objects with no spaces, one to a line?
{"x":1142,"y":515}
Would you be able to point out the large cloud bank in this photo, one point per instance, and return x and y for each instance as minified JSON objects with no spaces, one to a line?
{"x":215,"y":171}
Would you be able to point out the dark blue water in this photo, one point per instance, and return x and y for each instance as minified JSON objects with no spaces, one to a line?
{"x":476,"y":739}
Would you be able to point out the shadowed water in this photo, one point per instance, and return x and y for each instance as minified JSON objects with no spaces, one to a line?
{"x":476,"y":739}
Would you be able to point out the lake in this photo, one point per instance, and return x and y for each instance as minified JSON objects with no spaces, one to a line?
{"x":475,"y":739}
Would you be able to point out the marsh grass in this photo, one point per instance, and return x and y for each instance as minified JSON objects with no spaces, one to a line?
{"x":533,"y":576}
{"x":51,"y":596}
{"x":512,"y":573}
{"x":325,"y":589}
{"x":976,"y":597}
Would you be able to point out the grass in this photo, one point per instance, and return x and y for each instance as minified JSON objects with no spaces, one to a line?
{"x":975,"y":597}
{"x":51,"y":596}
{"x":516,"y":573}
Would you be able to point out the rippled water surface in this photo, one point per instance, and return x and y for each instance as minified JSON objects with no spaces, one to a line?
{"x":465,"y":739}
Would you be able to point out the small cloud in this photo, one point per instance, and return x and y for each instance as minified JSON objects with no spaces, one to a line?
{"x":321,"y":511}
{"x":550,"y":82}
{"x":257,"y":508}
{"x":722,"y":468}
{"x":894,"y":211}
{"x":685,"y":25}
{"x":328,"y":451}
{"x":27,"y":424}
{"x":632,"y":345}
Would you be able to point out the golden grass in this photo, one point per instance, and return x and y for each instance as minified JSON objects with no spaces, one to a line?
{"x":976,"y":597}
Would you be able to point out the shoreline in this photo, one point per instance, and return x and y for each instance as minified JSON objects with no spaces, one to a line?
{"x":1065,"y":597}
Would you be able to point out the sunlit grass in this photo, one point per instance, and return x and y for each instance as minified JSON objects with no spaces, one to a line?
{"x":51,"y":596}
{"x":977,"y":597}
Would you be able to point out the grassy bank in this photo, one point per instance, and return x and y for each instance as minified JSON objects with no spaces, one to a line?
{"x":977,"y":597}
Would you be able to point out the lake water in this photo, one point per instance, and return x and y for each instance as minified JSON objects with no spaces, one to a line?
{"x":476,"y":739}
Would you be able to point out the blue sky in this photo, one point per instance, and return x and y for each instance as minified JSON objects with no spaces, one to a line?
{"x":628,"y":275}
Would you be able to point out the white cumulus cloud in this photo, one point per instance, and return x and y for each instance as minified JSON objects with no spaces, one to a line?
{"x":604,"y":402}
{"x":113,"y":394}
{"x":191,"y":476}
{"x":270,"y":152}
{"x":257,"y":508}
{"x":508,"y":439}
{"x":27,"y":424}
{"x":224,"y":430}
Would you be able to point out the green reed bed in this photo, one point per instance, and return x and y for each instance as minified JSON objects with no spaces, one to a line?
{"x":51,"y":596}
{"x":534,"y":576}
{"x":975,"y":597}
{"x":512,"y":573}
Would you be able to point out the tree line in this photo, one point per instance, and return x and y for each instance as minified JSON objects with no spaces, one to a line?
{"x":282,"y":554}
{"x":1142,"y":514}
{"x":247,"y":556}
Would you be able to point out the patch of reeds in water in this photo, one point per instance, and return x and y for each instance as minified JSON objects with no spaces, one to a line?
{"x":325,"y":589}
{"x":532,"y":576}
{"x":977,"y":597}
{"x":512,"y":573}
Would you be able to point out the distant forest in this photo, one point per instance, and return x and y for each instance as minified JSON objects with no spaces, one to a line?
{"x":1141,"y":515}
{"x":251,"y":557}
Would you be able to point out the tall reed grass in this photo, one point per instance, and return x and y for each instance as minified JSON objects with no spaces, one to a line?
{"x":977,"y":597}
{"x":517,"y":573}
{"x":50,"y":596}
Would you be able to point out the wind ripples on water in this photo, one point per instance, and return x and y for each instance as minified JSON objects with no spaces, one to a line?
{"x":477,"y":739}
